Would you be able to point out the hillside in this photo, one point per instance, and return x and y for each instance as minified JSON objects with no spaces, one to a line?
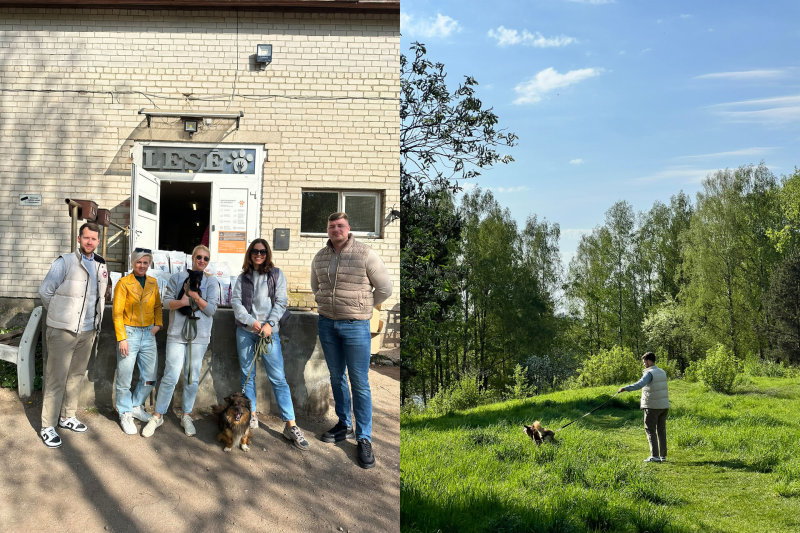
{"x":732,"y":464}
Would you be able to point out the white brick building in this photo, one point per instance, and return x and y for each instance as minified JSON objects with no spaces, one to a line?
{"x":93,"y":93}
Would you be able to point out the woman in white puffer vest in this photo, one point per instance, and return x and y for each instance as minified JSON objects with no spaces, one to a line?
{"x":655,"y":404}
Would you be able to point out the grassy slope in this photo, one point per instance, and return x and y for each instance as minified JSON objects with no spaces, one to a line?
{"x":731,"y":465}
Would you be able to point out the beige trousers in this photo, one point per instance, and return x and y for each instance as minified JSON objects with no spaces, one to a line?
{"x":67,"y":358}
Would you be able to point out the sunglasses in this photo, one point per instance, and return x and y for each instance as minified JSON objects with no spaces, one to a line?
{"x":202,"y":258}
{"x":143,"y":250}
{"x":256,"y":251}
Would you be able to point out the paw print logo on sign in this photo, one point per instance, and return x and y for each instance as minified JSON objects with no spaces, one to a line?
{"x":240,"y":159}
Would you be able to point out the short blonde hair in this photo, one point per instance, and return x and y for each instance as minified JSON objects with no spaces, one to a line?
{"x":201,"y":247}
{"x":138,"y":254}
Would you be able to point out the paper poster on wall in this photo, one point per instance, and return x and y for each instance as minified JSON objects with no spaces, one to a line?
{"x":232,"y":242}
{"x":232,"y":221}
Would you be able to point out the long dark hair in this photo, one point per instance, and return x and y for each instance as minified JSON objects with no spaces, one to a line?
{"x":248,"y":264}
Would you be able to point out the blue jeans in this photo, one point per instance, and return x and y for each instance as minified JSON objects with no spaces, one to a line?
{"x":141,"y":350}
{"x":347,"y":346}
{"x":273,"y":363}
{"x":177,"y":357}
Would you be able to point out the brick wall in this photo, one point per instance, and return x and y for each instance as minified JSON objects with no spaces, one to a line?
{"x":72,"y":82}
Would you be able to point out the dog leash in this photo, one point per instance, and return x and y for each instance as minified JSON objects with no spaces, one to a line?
{"x":263,"y":346}
{"x":189,"y":332}
{"x":590,"y":412}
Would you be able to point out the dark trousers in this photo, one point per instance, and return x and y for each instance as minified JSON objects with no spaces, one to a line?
{"x":655,"y":425}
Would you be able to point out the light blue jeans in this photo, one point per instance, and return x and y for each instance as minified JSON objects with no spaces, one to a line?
{"x":273,"y":364}
{"x":142,"y":351}
{"x":347,"y":346}
{"x":177,"y":357}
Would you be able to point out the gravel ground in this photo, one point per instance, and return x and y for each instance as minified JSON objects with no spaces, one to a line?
{"x":104,"y":480}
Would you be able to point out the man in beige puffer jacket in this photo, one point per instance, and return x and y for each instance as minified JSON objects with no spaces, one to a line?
{"x":348,"y":280}
{"x":655,"y":404}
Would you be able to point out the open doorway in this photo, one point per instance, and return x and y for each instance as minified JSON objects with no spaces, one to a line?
{"x":184,"y":215}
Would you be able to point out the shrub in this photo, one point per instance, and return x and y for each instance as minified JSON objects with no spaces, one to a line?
{"x":610,"y":367}
{"x":692,"y":372}
{"x":519,"y":389}
{"x":548,"y":372}
{"x":462,"y":394}
{"x":757,"y":367}
{"x":719,"y":369}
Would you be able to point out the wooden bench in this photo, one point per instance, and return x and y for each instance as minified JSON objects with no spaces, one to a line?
{"x":24,"y":354}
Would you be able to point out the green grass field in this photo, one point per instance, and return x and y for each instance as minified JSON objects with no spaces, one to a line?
{"x":733,"y":465}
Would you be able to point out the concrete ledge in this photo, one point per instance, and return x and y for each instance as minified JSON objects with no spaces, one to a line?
{"x":304,"y":364}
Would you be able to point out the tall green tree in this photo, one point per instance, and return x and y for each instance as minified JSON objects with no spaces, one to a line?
{"x":726,"y":258}
{"x":445,"y":136}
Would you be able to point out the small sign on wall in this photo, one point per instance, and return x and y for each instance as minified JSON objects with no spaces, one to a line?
{"x":30,"y":200}
{"x":232,"y":242}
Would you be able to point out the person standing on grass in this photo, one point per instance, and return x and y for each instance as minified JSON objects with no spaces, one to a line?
{"x":73,"y":292}
{"x":186,"y":342}
{"x":348,"y":280}
{"x":655,"y":404}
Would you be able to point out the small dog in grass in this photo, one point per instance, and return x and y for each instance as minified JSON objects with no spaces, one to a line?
{"x":538,"y":434}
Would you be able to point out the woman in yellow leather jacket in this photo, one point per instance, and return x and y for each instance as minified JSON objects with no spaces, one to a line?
{"x":137,"y":319}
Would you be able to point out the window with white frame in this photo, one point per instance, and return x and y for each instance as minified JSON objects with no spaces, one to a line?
{"x":363,"y":209}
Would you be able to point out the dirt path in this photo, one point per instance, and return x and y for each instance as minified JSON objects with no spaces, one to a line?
{"x":104,"y":480}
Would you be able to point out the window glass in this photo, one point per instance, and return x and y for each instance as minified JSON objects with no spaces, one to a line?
{"x":316,"y":207}
{"x":148,"y":206}
{"x":361,"y":210}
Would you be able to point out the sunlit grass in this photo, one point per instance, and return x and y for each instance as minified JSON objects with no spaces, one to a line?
{"x":731,"y":464}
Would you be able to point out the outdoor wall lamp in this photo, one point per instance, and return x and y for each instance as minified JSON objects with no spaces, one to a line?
{"x":190,"y":126}
{"x":191,"y":119}
{"x":264,"y":54}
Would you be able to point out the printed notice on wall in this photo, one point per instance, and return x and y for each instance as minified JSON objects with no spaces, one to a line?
{"x":232,"y":221}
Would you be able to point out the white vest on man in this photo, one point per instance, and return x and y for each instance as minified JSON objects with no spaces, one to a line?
{"x":655,"y":394}
{"x":68,"y":306}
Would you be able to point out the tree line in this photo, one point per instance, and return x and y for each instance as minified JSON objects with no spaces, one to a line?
{"x":481,"y":295}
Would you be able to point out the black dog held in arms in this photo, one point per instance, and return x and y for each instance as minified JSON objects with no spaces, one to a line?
{"x":194,"y":280}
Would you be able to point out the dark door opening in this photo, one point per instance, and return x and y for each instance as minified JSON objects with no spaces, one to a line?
{"x":185,"y":215}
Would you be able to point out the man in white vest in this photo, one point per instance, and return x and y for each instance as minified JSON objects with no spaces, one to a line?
{"x":73,"y":292}
{"x":655,"y":404}
{"x":348,"y":280}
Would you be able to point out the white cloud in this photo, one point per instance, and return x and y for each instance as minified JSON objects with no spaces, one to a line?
{"x":747,"y":152}
{"x":768,"y":111}
{"x":593,"y":2}
{"x":574,"y":233}
{"x":744,"y":75}
{"x":519,"y":188}
{"x":679,"y":174}
{"x":429,"y":28}
{"x":507,"y":37}
{"x":548,"y":80}
{"x":577,"y":161}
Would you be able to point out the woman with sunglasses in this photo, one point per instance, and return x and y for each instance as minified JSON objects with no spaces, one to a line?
{"x":137,"y":319}
{"x":257,"y":314}
{"x":190,"y":318}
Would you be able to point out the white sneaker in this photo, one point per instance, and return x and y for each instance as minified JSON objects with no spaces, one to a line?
{"x":652,"y":459}
{"x":188,"y":425}
{"x":152,"y":424}
{"x":50,"y":437}
{"x":126,"y":421}
{"x":139,"y":413}
{"x":253,"y":420}
{"x":662,"y":459}
{"x":72,"y":423}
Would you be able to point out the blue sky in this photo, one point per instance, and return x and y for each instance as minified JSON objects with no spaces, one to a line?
{"x":621,"y":100}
